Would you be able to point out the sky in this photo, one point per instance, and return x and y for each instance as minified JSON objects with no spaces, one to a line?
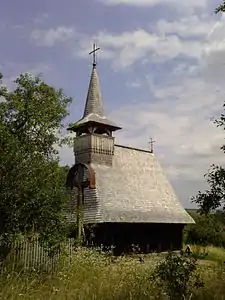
{"x":161,"y":67}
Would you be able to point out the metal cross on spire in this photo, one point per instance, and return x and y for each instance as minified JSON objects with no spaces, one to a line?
{"x":151,"y":143}
{"x":95,"y":49}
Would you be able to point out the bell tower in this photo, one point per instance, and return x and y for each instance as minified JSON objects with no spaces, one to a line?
{"x":94,"y":141}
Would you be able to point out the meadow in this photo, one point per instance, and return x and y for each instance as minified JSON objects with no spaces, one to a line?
{"x":89,"y":274}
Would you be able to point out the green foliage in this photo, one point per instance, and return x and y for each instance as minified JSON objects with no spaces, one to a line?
{"x":220,"y":8}
{"x":31,"y":180}
{"x":213,"y":198}
{"x":207,"y":230}
{"x":177,"y":274}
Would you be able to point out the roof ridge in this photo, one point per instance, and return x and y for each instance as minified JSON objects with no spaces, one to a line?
{"x":134,"y":148}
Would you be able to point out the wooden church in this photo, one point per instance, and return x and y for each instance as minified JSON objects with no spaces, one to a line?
{"x":125,"y":194}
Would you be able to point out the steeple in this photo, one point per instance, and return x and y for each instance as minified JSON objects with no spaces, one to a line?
{"x":93,"y":103}
{"x":94,"y":142}
{"x":94,"y":120}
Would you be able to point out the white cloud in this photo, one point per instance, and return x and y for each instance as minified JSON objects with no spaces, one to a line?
{"x":127,"y":48}
{"x":163,"y":41}
{"x":41,"y":18}
{"x":52,"y":36}
{"x":187,"y":142}
{"x":214,"y":54}
{"x":191,"y":3}
{"x":190,"y":26}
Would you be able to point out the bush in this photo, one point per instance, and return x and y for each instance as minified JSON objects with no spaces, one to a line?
{"x":177,"y":274}
{"x":207,"y":230}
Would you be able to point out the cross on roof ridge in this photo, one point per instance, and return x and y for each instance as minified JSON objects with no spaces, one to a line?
{"x":151,"y":142}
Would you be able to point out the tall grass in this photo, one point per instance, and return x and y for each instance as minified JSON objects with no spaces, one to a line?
{"x":92,"y":275}
{"x":213,"y":253}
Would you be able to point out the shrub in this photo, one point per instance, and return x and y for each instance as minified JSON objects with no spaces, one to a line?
{"x":178,"y":276}
{"x":207,"y":230}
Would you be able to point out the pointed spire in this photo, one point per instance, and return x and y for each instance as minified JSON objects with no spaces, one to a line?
{"x":93,"y":112}
{"x":93,"y":103}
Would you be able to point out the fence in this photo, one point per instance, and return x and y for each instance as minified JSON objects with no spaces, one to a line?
{"x":31,"y":254}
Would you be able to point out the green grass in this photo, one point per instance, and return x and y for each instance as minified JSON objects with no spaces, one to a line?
{"x":90,"y":275}
{"x":215,"y":254}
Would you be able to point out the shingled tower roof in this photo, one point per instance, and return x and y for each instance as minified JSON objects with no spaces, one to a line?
{"x":93,"y":112}
{"x":93,"y":103}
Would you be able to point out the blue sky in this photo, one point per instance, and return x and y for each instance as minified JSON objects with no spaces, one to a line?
{"x":161,"y":68}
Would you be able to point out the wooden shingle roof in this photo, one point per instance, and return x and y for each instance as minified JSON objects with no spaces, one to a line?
{"x":134,"y":189}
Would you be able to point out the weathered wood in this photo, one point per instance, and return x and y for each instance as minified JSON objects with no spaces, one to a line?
{"x":31,"y":254}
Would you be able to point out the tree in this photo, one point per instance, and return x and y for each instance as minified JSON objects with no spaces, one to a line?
{"x":207,"y":230}
{"x":220,"y":8}
{"x":214,"y":197}
{"x":32,"y":191}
